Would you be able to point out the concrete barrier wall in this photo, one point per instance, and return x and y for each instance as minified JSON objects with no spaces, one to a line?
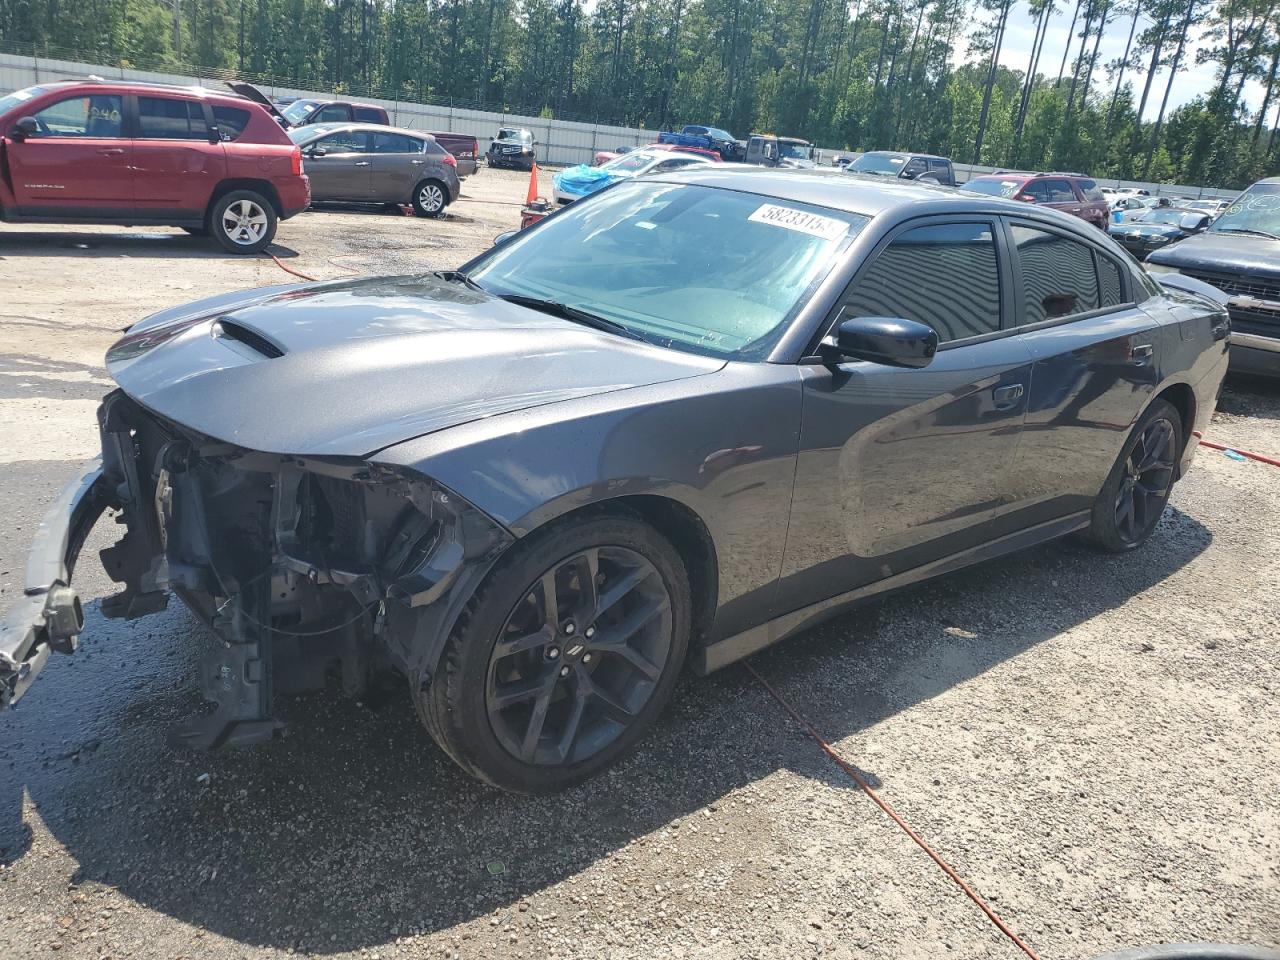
{"x":560,"y":142}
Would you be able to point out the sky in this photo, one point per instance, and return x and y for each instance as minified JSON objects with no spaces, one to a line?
{"x":1195,"y":80}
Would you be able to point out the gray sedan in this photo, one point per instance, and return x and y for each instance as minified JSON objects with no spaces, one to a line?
{"x":370,"y":163}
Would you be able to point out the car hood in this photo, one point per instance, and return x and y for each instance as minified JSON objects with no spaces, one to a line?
{"x":350,"y":367}
{"x":1149,"y":230}
{"x":1218,"y":252}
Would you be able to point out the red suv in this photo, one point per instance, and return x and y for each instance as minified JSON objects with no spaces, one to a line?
{"x":1072,"y":193}
{"x":132,"y":153}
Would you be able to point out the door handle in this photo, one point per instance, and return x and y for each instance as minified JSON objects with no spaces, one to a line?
{"x":1007,"y":396}
{"x":362,"y":163}
{"x":110,"y":151}
{"x":417,"y":163}
{"x":1141,"y":354}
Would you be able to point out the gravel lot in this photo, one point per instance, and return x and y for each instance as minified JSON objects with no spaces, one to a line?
{"x":1093,"y":742}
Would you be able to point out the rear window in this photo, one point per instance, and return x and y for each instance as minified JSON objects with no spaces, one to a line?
{"x":1091,"y":190}
{"x":230,"y":121}
{"x":993,"y":187}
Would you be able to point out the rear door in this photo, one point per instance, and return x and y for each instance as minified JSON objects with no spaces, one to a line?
{"x":1095,"y":201}
{"x":175,"y":166}
{"x":899,"y":467}
{"x":78,"y":162}
{"x":1060,"y":195}
{"x":1096,"y":363}
{"x":339,"y":166}
{"x":398,"y":161}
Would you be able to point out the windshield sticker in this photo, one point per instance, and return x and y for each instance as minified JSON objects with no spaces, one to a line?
{"x":827,"y":228}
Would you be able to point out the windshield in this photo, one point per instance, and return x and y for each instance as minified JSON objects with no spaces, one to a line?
{"x":992,"y":186}
{"x":7,"y":103}
{"x":1257,"y":209}
{"x":793,"y":151}
{"x":524,"y":136}
{"x":710,"y":271}
{"x":1167,"y":215}
{"x":888,"y":164}
{"x":299,"y":110}
{"x":300,"y":134}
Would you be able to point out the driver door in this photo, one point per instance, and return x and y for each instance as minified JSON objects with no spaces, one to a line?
{"x":78,"y":161}
{"x":340,"y":167}
{"x":899,"y":468}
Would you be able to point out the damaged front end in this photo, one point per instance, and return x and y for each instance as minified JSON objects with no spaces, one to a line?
{"x":310,"y":571}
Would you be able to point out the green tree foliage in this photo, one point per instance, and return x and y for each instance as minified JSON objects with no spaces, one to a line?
{"x":852,"y":74}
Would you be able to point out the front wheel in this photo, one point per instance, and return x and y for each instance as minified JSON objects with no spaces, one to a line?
{"x":1138,"y":487}
{"x":243,"y":221}
{"x":565,"y":656}
{"x":429,"y":198}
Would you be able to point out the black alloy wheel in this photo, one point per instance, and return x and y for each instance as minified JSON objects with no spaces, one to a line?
{"x":1148,"y":476}
{"x":564,"y":656}
{"x":579,"y":657}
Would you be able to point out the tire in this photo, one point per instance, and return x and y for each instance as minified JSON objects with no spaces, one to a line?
{"x":197,"y":231}
{"x":1133,"y":498}
{"x":243,"y":221}
{"x":592,"y":682}
{"x":429,"y":198}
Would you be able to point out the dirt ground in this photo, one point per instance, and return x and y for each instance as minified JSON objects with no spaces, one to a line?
{"x":1093,"y":742}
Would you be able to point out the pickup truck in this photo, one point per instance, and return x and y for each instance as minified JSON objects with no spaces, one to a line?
{"x":465,"y":149}
{"x":303,"y":112}
{"x":769,"y":150}
{"x":705,"y":138}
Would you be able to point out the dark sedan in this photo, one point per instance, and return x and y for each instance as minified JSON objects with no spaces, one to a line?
{"x":1153,"y":229}
{"x":672,"y":424}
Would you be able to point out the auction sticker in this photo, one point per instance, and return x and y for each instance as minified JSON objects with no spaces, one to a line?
{"x":827,"y":228}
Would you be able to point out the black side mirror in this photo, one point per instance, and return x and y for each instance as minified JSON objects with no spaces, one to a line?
{"x":1194,"y":222}
{"x":317,"y":152}
{"x":504,"y":237}
{"x":892,"y":341}
{"x":25,"y":127}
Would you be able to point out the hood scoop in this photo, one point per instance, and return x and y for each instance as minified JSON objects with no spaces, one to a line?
{"x":246,"y":341}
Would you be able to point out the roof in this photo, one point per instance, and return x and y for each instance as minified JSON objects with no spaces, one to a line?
{"x":907,"y":153}
{"x":141,"y":86}
{"x":867,"y":195}
{"x":324,"y":129}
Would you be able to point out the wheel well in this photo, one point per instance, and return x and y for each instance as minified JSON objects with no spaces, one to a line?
{"x":263,"y":187}
{"x":688,"y":534}
{"x":1183,"y":399}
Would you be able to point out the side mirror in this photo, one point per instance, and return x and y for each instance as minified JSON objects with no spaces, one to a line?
{"x":317,"y":152}
{"x":1194,"y":222}
{"x":1025,"y":198}
{"x":504,"y":237}
{"x":892,"y":341}
{"x":25,"y":127}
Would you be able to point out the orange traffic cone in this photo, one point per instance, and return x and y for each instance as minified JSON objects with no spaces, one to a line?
{"x":532,"y":195}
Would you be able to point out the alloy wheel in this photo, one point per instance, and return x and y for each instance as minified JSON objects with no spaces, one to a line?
{"x":431,"y":198}
{"x":244,"y":222}
{"x":579,"y":656}
{"x":1144,"y":485}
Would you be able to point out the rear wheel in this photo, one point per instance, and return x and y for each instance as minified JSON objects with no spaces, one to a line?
{"x":564,"y":658}
{"x":429,"y":198}
{"x":243,"y":221}
{"x":1138,"y":487}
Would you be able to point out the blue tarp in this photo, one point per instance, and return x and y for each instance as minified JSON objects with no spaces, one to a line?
{"x":584,"y":179}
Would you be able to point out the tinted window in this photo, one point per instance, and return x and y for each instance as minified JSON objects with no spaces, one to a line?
{"x":1039,"y":189}
{"x":395,"y":143}
{"x":1059,"y":191}
{"x":164,"y":119}
{"x":347,"y":141}
{"x":1109,"y":281}
{"x":230,"y":121}
{"x":954,"y":286}
{"x":370,"y":114}
{"x":95,"y":116}
{"x":1057,"y":275}
{"x":915,"y":166}
{"x":333,"y":113}
{"x":1091,"y":190}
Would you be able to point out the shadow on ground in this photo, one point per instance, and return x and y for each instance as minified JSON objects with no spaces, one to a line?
{"x":353,"y":828}
{"x":150,"y":242}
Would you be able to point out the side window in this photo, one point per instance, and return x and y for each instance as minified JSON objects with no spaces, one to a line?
{"x":395,"y":143}
{"x":370,"y":114}
{"x":160,"y":118}
{"x":1109,"y":281}
{"x":1091,"y":190}
{"x":1037,"y":189}
{"x":345,"y":141}
{"x":230,"y":121}
{"x":915,"y":166}
{"x":333,"y":113}
{"x":941,"y":169}
{"x":97,"y":116}
{"x":1059,"y":191}
{"x":955,"y":286}
{"x":1058,"y":275}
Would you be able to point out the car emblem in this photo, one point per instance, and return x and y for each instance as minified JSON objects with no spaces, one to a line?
{"x":576,"y":649}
